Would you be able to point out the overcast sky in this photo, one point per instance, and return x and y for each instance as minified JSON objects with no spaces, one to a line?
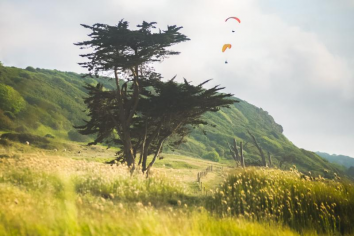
{"x":294,"y":59}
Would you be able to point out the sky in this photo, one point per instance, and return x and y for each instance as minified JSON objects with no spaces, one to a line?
{"x":294,"y":59}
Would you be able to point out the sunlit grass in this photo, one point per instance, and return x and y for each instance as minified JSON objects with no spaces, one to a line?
{"x":291,"y":198}
{"x":51,"y":195}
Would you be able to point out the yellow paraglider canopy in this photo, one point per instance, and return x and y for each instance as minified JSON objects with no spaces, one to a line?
{"x":225,"y":47}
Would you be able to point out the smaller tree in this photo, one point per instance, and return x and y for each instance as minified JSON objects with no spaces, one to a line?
{"x":212,"y":156}
{"x":237,"y":153}
{"x":10,"y":99}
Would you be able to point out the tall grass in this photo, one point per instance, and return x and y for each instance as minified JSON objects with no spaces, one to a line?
{"x":58,"y":196}
{"x":296,"y":200}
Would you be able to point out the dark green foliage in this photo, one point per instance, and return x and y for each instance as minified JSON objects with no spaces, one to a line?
{"x":119,"y":47}
{"x":21,"y":129}
{"x":75,"y":136}
{"x":30,"y":68}
{"x":127,"y":53}
{"x":10,"y":115}
{"x":212,"y":156}
{"x":23,"y":138}
{"x":25,"y":75}
{"x":50,"y":136}
{"x":5,"y":122}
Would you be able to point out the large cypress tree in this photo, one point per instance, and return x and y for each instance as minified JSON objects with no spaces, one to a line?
{"x":128,"y":54}
{"x":168,"y":111}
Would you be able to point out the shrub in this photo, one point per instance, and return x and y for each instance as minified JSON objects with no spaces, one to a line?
{"x":10,"y":115}
{"x":30,"y":68}
{"x":49,"y":136}
{"x":21,"y":129}
{"x":22,"y":138}
{"x":25,"y":75}
{"x":212,"y":156}
{"x":75,"y":136}
{"x":5,"y":122}
{"x":10,"y":99}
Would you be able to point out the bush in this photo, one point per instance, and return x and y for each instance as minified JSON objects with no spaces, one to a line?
{"x":30,"y":68}
{"x":10,"y":99}
{"x":23,"y":138}
{"x":212,"y":156}
{"x":5,"y":122}
{"x":21,"y":129}
{"x":49,"y":136}
{"x":25,"y":75}
{"x":75,"y":136}
{"x":10,"y":115}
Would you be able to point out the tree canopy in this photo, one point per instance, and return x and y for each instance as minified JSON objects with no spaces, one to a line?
{"x":143,"y":111}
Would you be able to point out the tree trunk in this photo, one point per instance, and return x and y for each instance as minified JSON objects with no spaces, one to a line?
{"x":124,"y":127}
{"x":242,"y":156}
{"x":130,"y":160}
{"x":259,"y":149}
{"x":160,"y":144}
{"x":235,"y":153}
{"x":146,"y":146}
{"x":269,"y":159}
{"x":143,"y":144}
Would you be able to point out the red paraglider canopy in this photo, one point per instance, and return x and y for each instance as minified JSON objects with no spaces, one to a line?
{"x":233,"y":18}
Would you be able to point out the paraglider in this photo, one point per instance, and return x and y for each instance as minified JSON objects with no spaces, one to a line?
{"x":226,"y":46}
{"x":235,"y":18}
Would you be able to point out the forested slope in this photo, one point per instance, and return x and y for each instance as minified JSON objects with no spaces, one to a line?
{"x":50,"y":102}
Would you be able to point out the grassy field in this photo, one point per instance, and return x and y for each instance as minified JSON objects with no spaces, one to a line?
{"x":67,"y":193}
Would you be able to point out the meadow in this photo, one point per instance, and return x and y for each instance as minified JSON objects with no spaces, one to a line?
{"x":66,"y":193}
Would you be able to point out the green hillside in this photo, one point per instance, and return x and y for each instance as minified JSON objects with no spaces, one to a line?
{"x":49,"y":102}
